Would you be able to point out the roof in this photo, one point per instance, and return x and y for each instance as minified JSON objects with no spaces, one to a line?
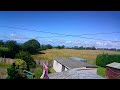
{"x":71,"y":63}
{"x":75,"y":73}
{"x":77,"y":58}
{"x":80,"y":59}
{"x":114,"y":65}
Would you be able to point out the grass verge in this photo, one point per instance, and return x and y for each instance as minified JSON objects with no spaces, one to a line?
{"x":101,"y":71}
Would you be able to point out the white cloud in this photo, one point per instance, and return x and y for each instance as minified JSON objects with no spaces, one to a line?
{"x":108,"y":44}
{"x":17,"y":37}
{"x":68,"y":42}
{"x":12,"y":35}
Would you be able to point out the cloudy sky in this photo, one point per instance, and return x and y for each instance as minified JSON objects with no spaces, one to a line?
{"x":69,"y":28}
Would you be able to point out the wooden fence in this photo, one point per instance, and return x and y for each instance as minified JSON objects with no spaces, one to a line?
{"x":6,"y":60}
{"x":48,"y":63}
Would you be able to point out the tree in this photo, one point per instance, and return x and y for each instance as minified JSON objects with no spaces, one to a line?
{"x":31,"y":46}
{"x":75,"y":47}
{"x":1,"y":43}
{"x":81,"y":48}
{"x":13,"y":48}
{"x":26,"y":56}
{"x":43,"y":47}
{"x":4,"y":52}
{"x":62,"y":46}
{"x":49,"y":46}
{"x":93,"y":48}
{"x":59,"y":47}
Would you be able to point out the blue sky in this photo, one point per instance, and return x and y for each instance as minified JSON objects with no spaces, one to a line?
{"x":64,"y":22}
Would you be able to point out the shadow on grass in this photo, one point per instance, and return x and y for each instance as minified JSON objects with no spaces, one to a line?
{"x":36,"y":53}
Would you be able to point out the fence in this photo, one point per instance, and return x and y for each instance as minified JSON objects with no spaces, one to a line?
{"x":48,"y":63}
{"x":40,"y":62}
{"x":6,"y":60}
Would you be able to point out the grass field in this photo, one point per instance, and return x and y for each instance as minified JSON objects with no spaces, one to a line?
{"x":90,"y":55}
{"x":101,"y":71}
{"x":3,"y":70}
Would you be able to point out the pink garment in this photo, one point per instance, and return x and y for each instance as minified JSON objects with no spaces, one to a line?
{"x":45,"y":72}
{"x":45,"y":68}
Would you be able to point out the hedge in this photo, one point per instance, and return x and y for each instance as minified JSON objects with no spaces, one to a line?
{"x":104,"y":59}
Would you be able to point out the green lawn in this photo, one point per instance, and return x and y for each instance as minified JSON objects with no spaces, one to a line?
{"x":38,"y":71}
{"x":51,"y":70}
{"x":101,"y":71}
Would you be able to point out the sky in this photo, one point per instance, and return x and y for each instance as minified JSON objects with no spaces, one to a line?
{"x":40,"y":25}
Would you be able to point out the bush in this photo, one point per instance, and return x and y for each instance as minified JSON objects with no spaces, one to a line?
{"x":27,"y":58}
{"x":104,"y":59}
{"x":13,"y":72}
{"x":21,"y":63}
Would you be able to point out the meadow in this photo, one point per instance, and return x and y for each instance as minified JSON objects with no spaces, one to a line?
{"x":90,"y":55}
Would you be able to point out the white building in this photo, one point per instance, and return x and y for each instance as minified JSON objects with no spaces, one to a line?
{"x":64,"y":64}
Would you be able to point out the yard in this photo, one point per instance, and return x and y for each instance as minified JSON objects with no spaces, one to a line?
{"x":50,"y":54}
{"x":91,"y":55}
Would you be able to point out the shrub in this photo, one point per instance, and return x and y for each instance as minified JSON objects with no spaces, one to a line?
{"x":13,"y":72}
{"x":104,"y":59}
{"x":21,"y":63}
{"x":27,"y":58}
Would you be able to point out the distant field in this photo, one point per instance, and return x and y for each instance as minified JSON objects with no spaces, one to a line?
{"x":50,"y":54}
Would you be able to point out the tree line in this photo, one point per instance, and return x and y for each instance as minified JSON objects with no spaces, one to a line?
{"x":92,"y":48}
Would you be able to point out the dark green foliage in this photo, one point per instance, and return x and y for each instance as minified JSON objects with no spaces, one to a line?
{"x":81,"y":48}
{"x":13,"y":72}
{"x":13,"y":48}
{"x":49,"y":46}
{"x":26,"y":56}
{"x":104,"y":59}
{"x":4,"y":52}
{"x":1,"y":43}
{"x":31,"y":46}
{"x":93,"y":48}
{"x":43,"y":47}
{"x":60,"y":47}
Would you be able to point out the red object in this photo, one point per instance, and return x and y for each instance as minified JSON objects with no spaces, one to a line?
{"x":112,"y":73}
